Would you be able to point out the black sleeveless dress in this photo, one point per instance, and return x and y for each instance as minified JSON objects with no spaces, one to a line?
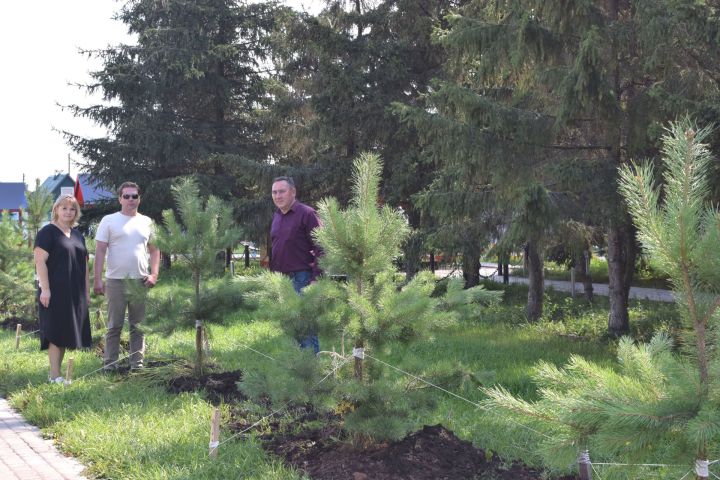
{"x":66,"y":321}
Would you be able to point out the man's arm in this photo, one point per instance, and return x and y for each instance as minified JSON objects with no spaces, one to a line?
{"x":152,"y":279}
{"x":100,"y":251}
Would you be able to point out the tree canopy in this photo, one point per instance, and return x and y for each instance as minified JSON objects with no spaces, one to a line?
{"x":183,"y":99}
{"x":499,"y":122}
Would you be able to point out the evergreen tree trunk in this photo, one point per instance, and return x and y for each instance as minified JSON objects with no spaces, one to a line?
{"x":536,"y":282}
{"x":620,"y":240}
{"x":471,"y":268}
{"x":582,"y":264}
{"x":412,"y":253}
{"x":621,"y":264}
{"x":198,"y":348}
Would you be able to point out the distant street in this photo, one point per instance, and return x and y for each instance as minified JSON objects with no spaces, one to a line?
{"x":489,"y":270}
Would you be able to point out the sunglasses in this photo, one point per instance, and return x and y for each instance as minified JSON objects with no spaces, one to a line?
{"x":134,"y":196}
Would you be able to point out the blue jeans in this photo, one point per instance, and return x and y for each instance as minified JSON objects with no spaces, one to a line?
{"x":301,"y":280}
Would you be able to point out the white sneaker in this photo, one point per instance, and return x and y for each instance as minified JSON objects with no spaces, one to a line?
{"x":59,"y":380}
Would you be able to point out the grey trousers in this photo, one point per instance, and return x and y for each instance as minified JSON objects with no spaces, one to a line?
{"x":118,"y":302}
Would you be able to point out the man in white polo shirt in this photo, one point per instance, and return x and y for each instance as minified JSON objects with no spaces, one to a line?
{"x":127,"y":239}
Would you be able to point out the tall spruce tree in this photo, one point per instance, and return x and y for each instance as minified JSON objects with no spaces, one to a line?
{"x":537,"y":83}
{"x":529,"y":224}
{"x":478,"y":183}
{"x":458,"y":218}
{"x":183,"y":97}
{"x":342,"y":70}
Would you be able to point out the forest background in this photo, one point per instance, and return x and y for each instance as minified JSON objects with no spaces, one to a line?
{"x":501,"y":125}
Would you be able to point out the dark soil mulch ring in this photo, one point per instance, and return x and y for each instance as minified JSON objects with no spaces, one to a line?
{"x":431,"y":453}
{"x":220,"y":387}
{"x":27,"y":325}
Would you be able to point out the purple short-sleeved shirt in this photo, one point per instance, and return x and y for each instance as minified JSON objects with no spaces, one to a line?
{"x":293,"y":248}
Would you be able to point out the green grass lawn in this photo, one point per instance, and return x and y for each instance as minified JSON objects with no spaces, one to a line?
{"x":129,"y":427}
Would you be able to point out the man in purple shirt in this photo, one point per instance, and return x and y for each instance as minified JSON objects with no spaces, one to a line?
{"x":294,"y":252}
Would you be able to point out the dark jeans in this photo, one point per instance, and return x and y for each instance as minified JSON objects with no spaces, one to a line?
{"x":301,"y":280}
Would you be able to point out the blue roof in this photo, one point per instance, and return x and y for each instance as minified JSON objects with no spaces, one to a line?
{"x":92,"y":190}
{"x":12,"y":195}
{"x":53,"y":183}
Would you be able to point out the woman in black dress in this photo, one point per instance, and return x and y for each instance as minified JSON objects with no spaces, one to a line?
{"x":61,"y":262}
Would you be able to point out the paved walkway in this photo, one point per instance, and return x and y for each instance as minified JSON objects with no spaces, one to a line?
{"x":489,"y":271}
{"x":26,"y":455}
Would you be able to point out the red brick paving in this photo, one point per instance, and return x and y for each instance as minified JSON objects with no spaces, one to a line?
{"x":26,"y":455}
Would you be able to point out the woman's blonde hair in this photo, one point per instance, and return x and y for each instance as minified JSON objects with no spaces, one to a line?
{"x":62,"y":199}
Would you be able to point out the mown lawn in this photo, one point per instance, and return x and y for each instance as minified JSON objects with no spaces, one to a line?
{"x":129,"y":427}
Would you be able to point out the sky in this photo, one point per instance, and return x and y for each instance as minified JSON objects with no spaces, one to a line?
{"x":39,"y":50}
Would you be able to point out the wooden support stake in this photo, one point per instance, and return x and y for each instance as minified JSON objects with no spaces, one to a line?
{"x":214,"y":433}
{"x":18,"y":331}
{"x":68,"y":373}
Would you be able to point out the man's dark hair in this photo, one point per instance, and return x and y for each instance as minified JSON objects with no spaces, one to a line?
{"x":128,"y":185}
{"x":289,"y":180}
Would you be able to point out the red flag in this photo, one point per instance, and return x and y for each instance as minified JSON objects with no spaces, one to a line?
{"x":77,"y":193}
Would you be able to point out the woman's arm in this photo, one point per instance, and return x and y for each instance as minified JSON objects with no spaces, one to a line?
{"x":41,"y":257}
{"x":87,"y":279}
